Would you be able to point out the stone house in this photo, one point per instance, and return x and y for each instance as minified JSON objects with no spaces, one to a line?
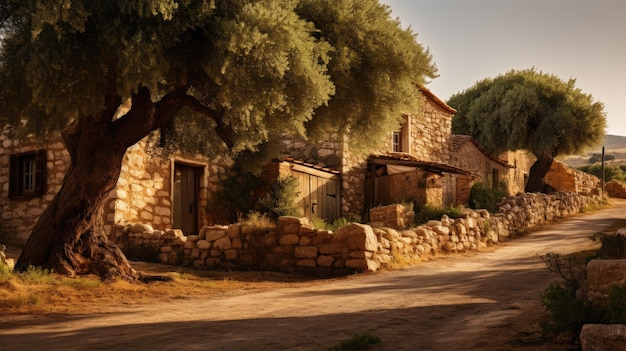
{"x":422,"y":162}
{"x":493,"y":172}
{"x":162,"y":191}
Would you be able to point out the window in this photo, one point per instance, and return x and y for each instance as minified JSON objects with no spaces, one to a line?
{"x":27,"y":174}
{"x":396,"y":142}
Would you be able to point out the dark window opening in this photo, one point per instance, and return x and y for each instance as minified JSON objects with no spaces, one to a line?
{"x":396,"y":142}
{"x":27,"y":174}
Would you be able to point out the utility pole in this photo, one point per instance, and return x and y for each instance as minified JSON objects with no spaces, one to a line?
{"x":602,"y":179}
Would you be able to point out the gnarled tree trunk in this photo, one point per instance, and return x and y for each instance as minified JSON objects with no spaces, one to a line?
{"x":69,"y":236}
{"x":538,"y":171}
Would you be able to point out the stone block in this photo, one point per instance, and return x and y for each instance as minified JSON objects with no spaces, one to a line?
{"x":601,"y":274}
{"x":332,"y":249}
{"x":234,"y":231}
{"x":325,"y":261}
{"x":215,"y":232}
{"x":203,"y":244}
{"x":141,"y":228}
{"x":291,"y":225}
{"x":603,"y":337}
{"x":362,"y":265}
{"x":306,"y":262}
{"x":231,"y":255}
{"x":289,"y":239}
{"x":357,"y":237}
{"x":223,"y":243}
{"x":172,"y":234}
{"x":305,"y":252}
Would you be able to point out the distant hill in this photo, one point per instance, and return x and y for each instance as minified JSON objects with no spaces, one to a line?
{"x":614,"y":146}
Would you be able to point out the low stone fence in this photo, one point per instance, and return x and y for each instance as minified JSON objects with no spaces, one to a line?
{"x":295,"y":246}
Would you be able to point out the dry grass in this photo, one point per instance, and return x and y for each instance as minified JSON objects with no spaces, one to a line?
{"x":45,"y":292}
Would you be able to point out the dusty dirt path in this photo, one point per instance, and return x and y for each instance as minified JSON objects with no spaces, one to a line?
{"x":480,"y":301}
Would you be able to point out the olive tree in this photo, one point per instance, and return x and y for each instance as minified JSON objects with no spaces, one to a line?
{"x":533,"y":111}
{"x":212,"y":76}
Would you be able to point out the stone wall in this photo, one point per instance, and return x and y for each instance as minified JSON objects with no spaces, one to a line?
{"x":21,"y":214}
{"x":563,"y":178}
{"x":616,"y":189}
{"x":295,"y":246}
{"x":143,"y":193}
{"x":430,"y":130}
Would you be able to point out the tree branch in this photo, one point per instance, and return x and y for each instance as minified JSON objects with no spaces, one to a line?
{"x":222,"y":130}
{"x":146,"y":116}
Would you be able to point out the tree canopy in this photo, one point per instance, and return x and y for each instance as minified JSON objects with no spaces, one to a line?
{"x":243,"y":70}
{"x":210,"y":75}
{"x":529,"y":110}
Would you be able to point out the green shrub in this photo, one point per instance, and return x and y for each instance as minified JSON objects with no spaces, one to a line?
{"x":610,"y":172}
{"x":238,"y":195}
{"x":486,"y":198}
{"x":336,"y":224}
{"x":281,"y":199}
{"x":566,"y":303}
{"x":616,"y":304}
{"x":429,"y":212}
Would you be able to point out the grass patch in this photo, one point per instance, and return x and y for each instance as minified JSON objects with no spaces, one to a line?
{"x":429,"y":212}
{"x":319,"y":223}
{"x":363,"y":341}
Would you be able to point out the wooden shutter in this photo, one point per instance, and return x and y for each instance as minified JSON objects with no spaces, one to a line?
{"x":40,"y":172}
{"x":14,"y":176}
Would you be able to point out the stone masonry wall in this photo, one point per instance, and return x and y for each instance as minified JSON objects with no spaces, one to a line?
{"x":295,"y":246}
{"x":563,"y":178}
{"x":430,"y":132}
{"x":21,"y":214}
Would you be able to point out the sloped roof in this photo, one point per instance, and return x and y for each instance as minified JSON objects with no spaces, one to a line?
{"x":436,"y":99}
{"x":457,"y":141}
{"x":311,"y":166}
{"x":404,"y":159}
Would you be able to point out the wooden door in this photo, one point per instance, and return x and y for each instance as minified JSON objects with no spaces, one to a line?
{"x":186,"y":183}
{"x":318,"y":197}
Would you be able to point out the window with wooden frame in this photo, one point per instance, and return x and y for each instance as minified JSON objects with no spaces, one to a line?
{"x":396,"y":142}
{"x":27,"y":174}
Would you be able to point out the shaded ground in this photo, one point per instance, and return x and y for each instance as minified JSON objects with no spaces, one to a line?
{"x":480,"y":301}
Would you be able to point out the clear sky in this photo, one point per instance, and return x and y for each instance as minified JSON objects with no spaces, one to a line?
{"x":475,"y":39}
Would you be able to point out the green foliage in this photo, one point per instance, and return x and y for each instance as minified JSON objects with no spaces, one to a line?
{"x":566,"y":313}
{"x":363,"y":341}
{"x":281,"y":199}
{"x":566,"y":303}
{"x":374,"y":65}
{"x":429,"y":212}
{"x":238,"y":194}
{"x":616,"y":304}
{"x":5,"y":271}
{"x":610,"y":172}
{"x":336,"y":224}
{"x":233,"y":73}
{"x":36,"y":275}
{"x":529,"y":110}
{"x":598,"y":158}
{"x":486,"y":198}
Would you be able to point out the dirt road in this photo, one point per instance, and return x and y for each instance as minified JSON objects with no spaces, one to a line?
{"x":480,"y":301}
